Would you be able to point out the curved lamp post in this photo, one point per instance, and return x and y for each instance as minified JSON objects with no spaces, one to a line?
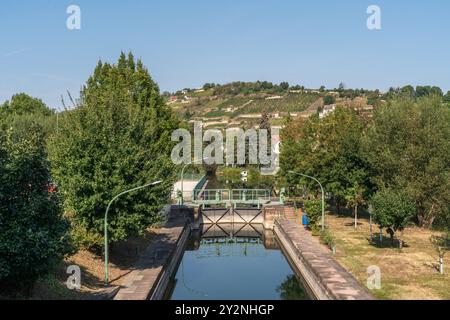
{"x":106,"y":222}
{"x":323,"y":195}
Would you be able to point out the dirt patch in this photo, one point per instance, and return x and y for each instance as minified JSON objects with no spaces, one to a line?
{"x":123,"y":256}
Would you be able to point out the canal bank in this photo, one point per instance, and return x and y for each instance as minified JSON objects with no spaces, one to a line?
{"x":187,"y":251}
{"x":150,"y":276}
{"x":324,"y":276}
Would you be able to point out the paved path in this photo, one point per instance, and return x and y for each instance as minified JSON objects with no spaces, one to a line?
{"x":139,"y":284}
{"x":332,"y":279}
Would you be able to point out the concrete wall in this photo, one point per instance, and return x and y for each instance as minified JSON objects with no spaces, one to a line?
{"x":230,"y":215}
{"x":270,"y":213}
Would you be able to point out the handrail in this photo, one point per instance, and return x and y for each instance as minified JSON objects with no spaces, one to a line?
{"x":256,"y":196}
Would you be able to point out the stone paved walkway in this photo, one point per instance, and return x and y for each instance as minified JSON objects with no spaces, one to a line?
{"x":139,"y":283}
{"x":337,"y":282}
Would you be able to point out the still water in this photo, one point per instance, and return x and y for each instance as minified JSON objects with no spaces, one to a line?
{"x":235,"y":262}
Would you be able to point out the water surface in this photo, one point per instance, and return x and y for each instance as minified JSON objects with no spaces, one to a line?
{"x":235,"y":262}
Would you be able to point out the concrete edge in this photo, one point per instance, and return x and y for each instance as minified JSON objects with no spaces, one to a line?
{"x":314,"y":285}
{"x":158,"y":290}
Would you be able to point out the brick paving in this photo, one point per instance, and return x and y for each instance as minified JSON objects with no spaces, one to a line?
{"x":139,"y":284}
{"x":336,"y":282}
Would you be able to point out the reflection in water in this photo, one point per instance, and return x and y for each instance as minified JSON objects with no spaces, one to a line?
{"x":234,"y":262}
{"x":291,"y":289}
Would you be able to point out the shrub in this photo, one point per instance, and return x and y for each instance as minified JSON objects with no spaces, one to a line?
{"x":326,"y":237}
{"x":34,"y":237}
{"x":313,"y":210}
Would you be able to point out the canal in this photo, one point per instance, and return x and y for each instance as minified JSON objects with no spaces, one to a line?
{"x":229,"y":262}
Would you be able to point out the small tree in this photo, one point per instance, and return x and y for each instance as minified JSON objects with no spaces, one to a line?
{"x":393,"y":209}
{"x":328,"y":99}
{"x":354,"y":198}
{"x":442,"y":245}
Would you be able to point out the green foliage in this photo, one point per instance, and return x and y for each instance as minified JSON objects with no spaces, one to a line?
{"x":284,"y":86}
{"x":327,"y":100}
{"x":313,"y":210}
{"x":329,"y":149}
{"x":422,"y":91}
{"x":327,"y":238}
{"x":117,"y":139}
{"x":238,"y":87}
{"x":393,"y":209}
{"x":441,"y":243}
{"x":23,"y":109}
{"x":23,"y":104}
{"x":33,"y":235}
{"x":447,"y":97}
{"x":407,"y":148}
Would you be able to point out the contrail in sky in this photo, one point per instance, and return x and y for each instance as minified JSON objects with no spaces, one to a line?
{"x":13,"y":53}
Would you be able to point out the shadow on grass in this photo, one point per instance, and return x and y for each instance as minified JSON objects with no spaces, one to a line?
{"x":386,"y":242}
{"x":352,"y":224}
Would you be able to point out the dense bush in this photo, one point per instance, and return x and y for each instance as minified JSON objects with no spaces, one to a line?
{"x":118,"y":138}
{"x":327,"y":238}
{"x":33,"y":235}
{"x":313,"y":210}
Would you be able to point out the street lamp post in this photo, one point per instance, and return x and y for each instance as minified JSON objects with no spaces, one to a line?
{"x":106,"y":222}
{"x":323,"y":195}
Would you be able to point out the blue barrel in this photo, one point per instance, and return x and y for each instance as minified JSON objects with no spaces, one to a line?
{"x":305,"y":221}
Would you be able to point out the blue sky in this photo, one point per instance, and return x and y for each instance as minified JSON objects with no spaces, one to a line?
{"x":188,"y":43}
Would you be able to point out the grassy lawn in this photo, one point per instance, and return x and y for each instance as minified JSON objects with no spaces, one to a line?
{"x":410,"y":273}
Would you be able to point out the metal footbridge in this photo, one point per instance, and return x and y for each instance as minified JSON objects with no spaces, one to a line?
{"x":230,"y":197}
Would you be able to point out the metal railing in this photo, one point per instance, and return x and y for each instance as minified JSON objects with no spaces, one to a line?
{"x":235,"y":196}
{"x":250,"y":195}
{"x":211,"y":195}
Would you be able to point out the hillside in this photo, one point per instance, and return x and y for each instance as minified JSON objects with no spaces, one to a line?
{"x":241,"y":104}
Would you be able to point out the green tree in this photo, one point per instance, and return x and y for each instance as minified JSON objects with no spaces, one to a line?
{"x":354,"y":197}
{"x":329,"y":149}
{"x":407,"y":148}
{"x":32,"y":110}
{"x":117,"y":139}
{"x":284,"y":86}
{"x":408,"y":91}
{"x":22,"y":103}
{"x":393,"y":209}
{"x":447,"y":97}
{"x":34,"y":236}
{"x":423,"y":91}
{"x":328,"y":99}
{"x":313,"y":210}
